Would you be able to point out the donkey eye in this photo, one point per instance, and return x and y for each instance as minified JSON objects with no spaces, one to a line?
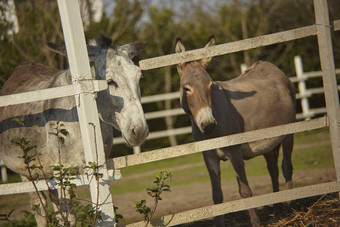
{"x":112,"y":83}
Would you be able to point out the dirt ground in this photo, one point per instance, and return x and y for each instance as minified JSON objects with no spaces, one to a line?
{"x":199,"y":195}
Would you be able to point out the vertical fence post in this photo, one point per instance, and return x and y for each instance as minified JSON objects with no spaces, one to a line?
{"x":3,"y":172}
{"x":86,"y":107}
{"x":243,"y":68}
{"x":329,"y":77}
{"x":302,"y":88}
{"x":137,"y":150}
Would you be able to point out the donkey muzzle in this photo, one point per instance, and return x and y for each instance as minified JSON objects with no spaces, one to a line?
{"x":205,"y":120}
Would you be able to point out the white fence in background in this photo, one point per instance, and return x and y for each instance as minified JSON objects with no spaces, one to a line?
{"x":302,"y":93}
{"x":322,"y":30}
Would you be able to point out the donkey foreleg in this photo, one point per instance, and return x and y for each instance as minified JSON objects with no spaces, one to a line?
{"x":271,"y":159}
{"x":212,"y":163}
{"x":236,"y":159}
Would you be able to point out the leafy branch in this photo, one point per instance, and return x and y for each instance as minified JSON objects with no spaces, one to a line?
{"x":88,"y":214}
{"x":23,"y":144}
{"x":155,"y":192}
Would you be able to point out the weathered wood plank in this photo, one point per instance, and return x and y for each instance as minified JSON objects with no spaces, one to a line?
{"x":86,"y":107}
{"x":242,"y":204}
{"x":329,"y":78}
{"x":190,"y":148}
{"x":227,"y":48}
{"x":42,"y":185}
{"x":89,"y":86}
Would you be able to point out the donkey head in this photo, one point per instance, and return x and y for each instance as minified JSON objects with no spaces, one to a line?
{"x":195,"y":89}
{"x":120,"y":104}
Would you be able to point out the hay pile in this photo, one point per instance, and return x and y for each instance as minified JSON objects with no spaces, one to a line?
{"x":313,"y":211}
{"x":325,"y":211}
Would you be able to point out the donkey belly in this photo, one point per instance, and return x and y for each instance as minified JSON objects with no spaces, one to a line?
{"x":260,"y":147}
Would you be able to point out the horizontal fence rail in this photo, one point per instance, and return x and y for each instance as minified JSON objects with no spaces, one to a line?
{"x":227,"y":48}
{"x":232,"y":47}
{"x":242,"y":204}
{"x":235,"y":139}
{"x":25,"y":187}
{"x":84,"y":86}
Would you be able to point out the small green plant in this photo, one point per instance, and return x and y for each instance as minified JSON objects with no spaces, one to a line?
{"x":155,"y":192}
{"x":118,"y":216}
{"x":28,"y":155}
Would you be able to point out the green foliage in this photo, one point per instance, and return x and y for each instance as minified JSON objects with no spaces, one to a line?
{"x":144,"y":210}
{"x":23,"y":144}
{"x":155,"y":192}
{"x":118,"y":216}
{"x":40,"y":19}
{"x":86,"y":214}
{"x":94,"y":167}
{"x":64,"y":176}
{"x":20,"y":121}
{"x":27,"y":221}
{"x":61,"y":132}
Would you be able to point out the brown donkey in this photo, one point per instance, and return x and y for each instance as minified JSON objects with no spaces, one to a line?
{"x":259,"y":98}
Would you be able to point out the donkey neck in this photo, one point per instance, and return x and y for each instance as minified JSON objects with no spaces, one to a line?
{"x":229,"y":120}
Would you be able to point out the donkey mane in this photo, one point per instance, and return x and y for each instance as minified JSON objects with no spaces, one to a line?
{"x":102,"y":42}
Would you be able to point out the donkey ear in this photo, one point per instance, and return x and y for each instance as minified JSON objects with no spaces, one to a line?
{"x":58,"y":48}
{"x":211,"y":42}
{"x":132,"y":49}
{"x":179,"y":47}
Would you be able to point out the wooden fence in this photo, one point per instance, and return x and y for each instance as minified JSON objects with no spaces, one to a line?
{"x":322,"y":29}
{"x":304,"y":94}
